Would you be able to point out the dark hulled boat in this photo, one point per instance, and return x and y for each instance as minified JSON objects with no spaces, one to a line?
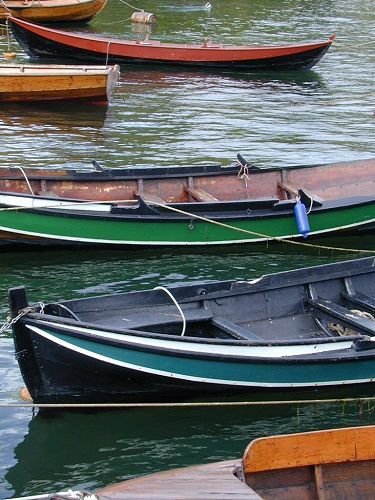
{"x":305,"y":329}
{"x":41,"y":41}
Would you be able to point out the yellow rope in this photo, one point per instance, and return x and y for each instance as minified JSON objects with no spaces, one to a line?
{"x":204,"y":219}
{"x":246,"y":231}
{"x":189,"y":404}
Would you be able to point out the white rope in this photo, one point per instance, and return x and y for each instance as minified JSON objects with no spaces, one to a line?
{"x":244,"y":173}
{"x":311,"y":204}
{"x":26,"y":179}
{"x":131,"y":6}
{"x":177,"y":305}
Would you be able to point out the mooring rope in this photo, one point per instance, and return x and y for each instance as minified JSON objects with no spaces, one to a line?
{"x":254,"y":233}
{"x":131,"y":6}
{"x":199,"y":404}
{"x":204,"y":219}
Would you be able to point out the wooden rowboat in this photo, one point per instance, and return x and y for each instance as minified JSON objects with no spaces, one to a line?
{"x":310,"y":328}
{"x":185,"y":206}
{"x":50,"y":11}
{"x":335,"y":463}
{"x":40,"y":41}
{"x":30,"y":83}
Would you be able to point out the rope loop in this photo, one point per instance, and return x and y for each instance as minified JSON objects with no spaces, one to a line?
{"x":343,"y":331}
{"x":243,"y":173}
{"x":162,"y":288}
{"x":38,"y":308}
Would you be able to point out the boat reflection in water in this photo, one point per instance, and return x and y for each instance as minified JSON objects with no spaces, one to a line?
{"x":91,"y":450}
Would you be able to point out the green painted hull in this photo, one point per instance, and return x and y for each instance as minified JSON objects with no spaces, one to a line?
{"x":44,"y":227}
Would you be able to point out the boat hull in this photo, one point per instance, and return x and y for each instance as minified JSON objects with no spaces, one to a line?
{"x":163,"y":228}
{"x":260,"y":335}
{"x":75,"y":369}
{"x":39,"y":41}
{"x":50,"y":11}
{"x":33,"y":83}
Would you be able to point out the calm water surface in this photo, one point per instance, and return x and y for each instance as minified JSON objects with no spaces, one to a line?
{"x":170,"y":117}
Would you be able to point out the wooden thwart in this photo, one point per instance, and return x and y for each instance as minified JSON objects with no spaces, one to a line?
{"x":150,"y":197}
{"x":288,"y":188}
{"x":200,"y":194}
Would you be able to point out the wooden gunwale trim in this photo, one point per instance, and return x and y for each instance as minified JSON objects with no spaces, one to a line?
{"x":310,"y":448}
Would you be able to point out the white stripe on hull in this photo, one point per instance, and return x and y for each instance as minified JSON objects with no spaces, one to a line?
{"x":178,"y":376}
{"x":240,"y":351}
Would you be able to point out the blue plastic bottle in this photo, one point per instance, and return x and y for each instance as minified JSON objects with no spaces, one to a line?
{"x":302,"y":220}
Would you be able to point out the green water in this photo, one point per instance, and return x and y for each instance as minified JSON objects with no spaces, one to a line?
{"x":170,"y":117}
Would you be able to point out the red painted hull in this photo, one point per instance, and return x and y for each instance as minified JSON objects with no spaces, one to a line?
{"x":41,"y":41}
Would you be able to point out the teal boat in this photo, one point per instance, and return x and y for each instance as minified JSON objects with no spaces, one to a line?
{"x":304,"y":329}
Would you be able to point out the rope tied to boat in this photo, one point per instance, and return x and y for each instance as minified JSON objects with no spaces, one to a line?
{"x":344,"y":331}
{"x":162,"y":288}
{"x":243,"y":173}
{"x":38,"y":308}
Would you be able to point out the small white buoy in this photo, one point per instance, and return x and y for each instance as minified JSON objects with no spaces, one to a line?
{"x":208,"y":6}
{"x":143,"y":17}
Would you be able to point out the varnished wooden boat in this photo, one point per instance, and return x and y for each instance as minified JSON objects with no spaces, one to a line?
{"x":185,"y":206}
{"x":50,"y":11}
{"x":325,"y":464}
{"x":305,"y":329}
{"x":40,"y":41}
{"x":39,"y":83}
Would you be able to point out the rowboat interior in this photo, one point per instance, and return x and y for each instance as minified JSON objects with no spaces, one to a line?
{"x":281,"y":308}
{"x":201,"y":188}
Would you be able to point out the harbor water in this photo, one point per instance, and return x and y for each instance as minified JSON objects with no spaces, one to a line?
{"x":162,"y":116}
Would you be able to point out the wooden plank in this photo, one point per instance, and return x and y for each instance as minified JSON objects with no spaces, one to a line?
{"x":319,"y":483}
{"x":212,"y":481}
{"x":288,"y":188}
{"x":310,"y":448}
{"x":200,"y":194}
{"x":233,"y":329}
{"x":285,"y":484}
{"x":150,"y":197}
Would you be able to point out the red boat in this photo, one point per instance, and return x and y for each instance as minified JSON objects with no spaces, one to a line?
{"x":40,"y":41}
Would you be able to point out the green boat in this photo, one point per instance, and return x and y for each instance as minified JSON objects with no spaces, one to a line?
{"x":187,"y":207}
